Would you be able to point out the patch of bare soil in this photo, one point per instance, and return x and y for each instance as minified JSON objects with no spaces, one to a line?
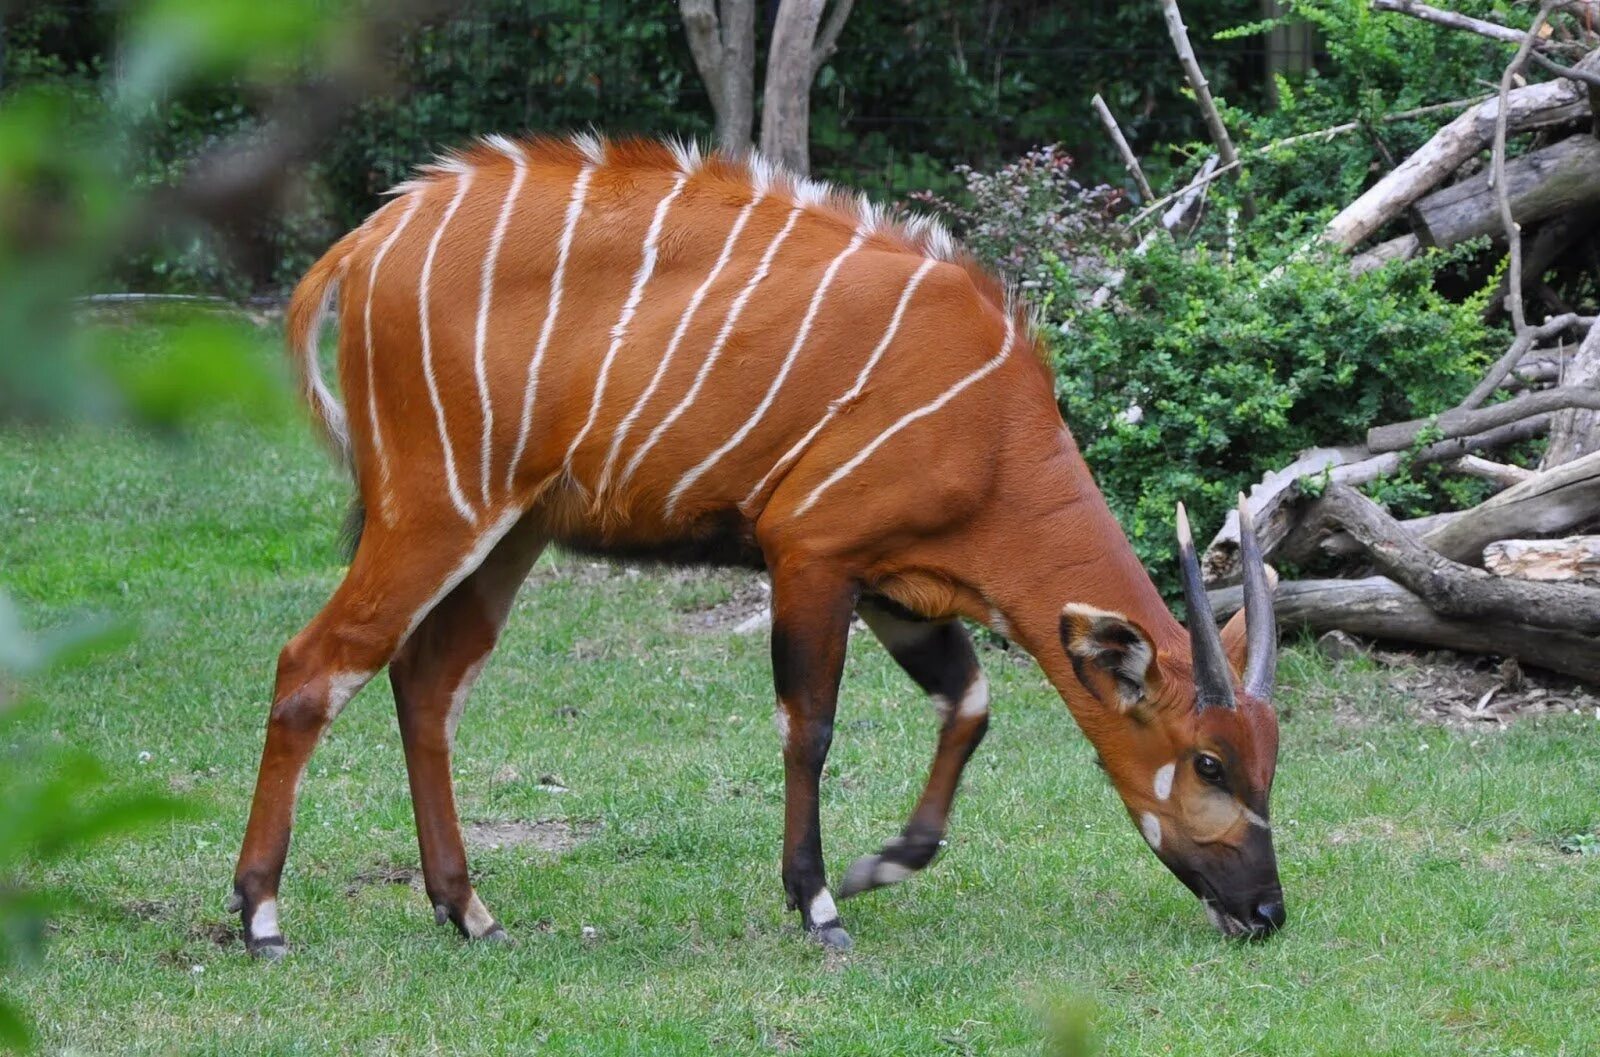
{"x":746,"y":609}
{"x":385,"y":875}
{"x":1469,"y":692}
{"x":551,"y":835}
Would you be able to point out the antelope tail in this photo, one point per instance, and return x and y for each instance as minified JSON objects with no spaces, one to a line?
{"x":308,"y":308}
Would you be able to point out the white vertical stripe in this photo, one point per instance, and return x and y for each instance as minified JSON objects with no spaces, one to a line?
{"x":580,"y":188}
{"x":717,"y":345}
{"x":372,"y":396}
{"x":782,"y":376}
{"x":619,"y":332}
{"x":855,"y":390}
{"x":677,"y":338}
{"x":912,"y":416}
{"x":514,"y":152}
{"x":463,"y":182}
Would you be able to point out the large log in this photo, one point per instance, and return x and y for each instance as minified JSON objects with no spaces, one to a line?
{"x":1271,"y":501}
{"x":1556,"y":180}
{"x":1534,"y":106}
{"x":1553,"y":503}
{"x":1379,"y":608}
{"x":1450,"y":588}
{"x":1575,"y":559}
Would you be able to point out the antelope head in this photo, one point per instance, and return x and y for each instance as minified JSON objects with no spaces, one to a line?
{"x":1194,"y":760}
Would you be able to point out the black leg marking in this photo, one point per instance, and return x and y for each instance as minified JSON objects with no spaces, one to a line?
{"x":810,"y":626}
{"x":940,"y":658}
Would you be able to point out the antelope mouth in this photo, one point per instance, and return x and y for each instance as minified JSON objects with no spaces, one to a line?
{"x":1227,"y":924}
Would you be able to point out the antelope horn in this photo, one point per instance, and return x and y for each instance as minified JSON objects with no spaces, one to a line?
{"x":1213,"y":683}
{"x":1260,"y":626}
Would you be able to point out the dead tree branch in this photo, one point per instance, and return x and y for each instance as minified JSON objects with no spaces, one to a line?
{"x":1534,"y":106}
{"x":1401,"y":435}
{"x":1513,"y":232}
{"x":1574,"y":559}
{"x":1577,"y":432}
{"x":1554,"y":502}
{"x":1452,"y":20}
{"x":1130,"y":161}
{"x":828,"y":36}
{"x":1519,"y":348}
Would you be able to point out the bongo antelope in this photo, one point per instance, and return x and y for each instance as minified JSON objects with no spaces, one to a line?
{"x":632,"y":349}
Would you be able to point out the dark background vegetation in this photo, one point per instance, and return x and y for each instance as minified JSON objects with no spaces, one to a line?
{"x":914,"y":89}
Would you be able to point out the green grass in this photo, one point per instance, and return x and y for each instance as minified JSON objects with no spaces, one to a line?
{"x":1431,"y":908}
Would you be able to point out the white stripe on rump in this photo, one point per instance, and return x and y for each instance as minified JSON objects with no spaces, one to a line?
{"x":514,"y":152}
{"x":619,"y":332}
{"x":580,"y":189}
{"x":372,"y":397}
{"x":463,"y":182}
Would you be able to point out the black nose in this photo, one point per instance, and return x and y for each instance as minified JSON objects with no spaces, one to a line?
{"x":1270,"y":916}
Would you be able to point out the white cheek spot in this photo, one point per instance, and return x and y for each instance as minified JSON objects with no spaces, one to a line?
{"x":975,"y":702}
{"x":1255,"y":819}
{"x":822,"y":909}
{"x":264,"y":922}
{"x":1151,"y":827}
{"x":1163,"y":784}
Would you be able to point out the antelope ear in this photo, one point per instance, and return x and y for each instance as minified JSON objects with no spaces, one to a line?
{"x":1234,"y":642}
{"x":1111,"y":656}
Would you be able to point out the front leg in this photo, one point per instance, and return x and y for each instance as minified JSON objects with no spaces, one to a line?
{"x":811,"y":608}
{"x":939,"y":656}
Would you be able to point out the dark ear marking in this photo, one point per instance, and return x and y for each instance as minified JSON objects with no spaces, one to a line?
{"x":1103,"y":646}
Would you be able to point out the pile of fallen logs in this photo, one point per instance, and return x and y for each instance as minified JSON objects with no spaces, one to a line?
{"x":1518,"y":575}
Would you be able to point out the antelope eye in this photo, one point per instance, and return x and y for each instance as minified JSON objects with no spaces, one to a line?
{"x":1209,"y":768}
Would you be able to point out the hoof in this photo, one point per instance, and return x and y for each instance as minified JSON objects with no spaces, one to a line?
{"x":441,"y":914}
{"x":833,"y":937}
{"x":495,"y":936}
{"x":270,"y":949}
{"x":869,"y":872}
{"x":235,"y":902}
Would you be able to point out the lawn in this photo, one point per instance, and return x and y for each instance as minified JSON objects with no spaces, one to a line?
{"x":1432,"y":910}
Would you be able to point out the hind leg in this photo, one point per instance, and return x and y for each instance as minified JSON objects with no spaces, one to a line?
{"x":432,"y":675}
{"x":398,"y":574}
{"x":939,"y":657}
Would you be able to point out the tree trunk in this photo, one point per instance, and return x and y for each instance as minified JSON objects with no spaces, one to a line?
{"x":786,"y":102}
{"x":1379,"y":608}
{"x":1558,"y":180}
{"x":1576,"y":433}
{"x":724,"y":51}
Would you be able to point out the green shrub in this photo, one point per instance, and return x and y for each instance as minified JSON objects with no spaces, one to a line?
{"x":1210,"y":369}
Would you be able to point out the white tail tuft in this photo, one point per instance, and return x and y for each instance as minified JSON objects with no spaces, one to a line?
{"x":308,"y":309}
